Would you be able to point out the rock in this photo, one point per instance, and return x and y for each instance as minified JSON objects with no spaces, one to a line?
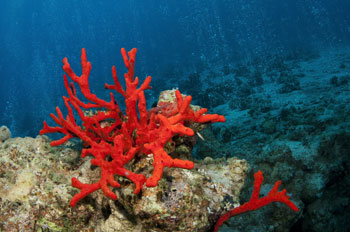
{"x":5,"y":133}
{"x":184,"y":200}
{"x":35,"y":187}
{"x":35,"y":191}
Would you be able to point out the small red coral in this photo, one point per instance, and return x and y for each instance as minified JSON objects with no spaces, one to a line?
{"x":255,"y":202}
{"x":138,"y":131}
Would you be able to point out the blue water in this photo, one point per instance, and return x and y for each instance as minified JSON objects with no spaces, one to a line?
{"x":171,"y":37}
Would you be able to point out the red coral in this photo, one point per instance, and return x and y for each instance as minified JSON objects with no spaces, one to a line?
{"x":138,"y":131}
{"x":255,"y":202}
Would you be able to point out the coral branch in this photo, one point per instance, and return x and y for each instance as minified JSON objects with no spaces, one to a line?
{"x":255,"y":202}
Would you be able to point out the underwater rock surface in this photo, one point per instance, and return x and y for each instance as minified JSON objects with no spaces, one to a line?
{"x":184,"y":200}
{"x":35,"y":193}
{"x":35,"y":188}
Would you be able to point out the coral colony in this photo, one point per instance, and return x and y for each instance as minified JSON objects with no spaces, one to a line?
{"x":137,"y":132}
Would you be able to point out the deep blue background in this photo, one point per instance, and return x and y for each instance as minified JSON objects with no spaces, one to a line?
{"x":36,"y":35}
